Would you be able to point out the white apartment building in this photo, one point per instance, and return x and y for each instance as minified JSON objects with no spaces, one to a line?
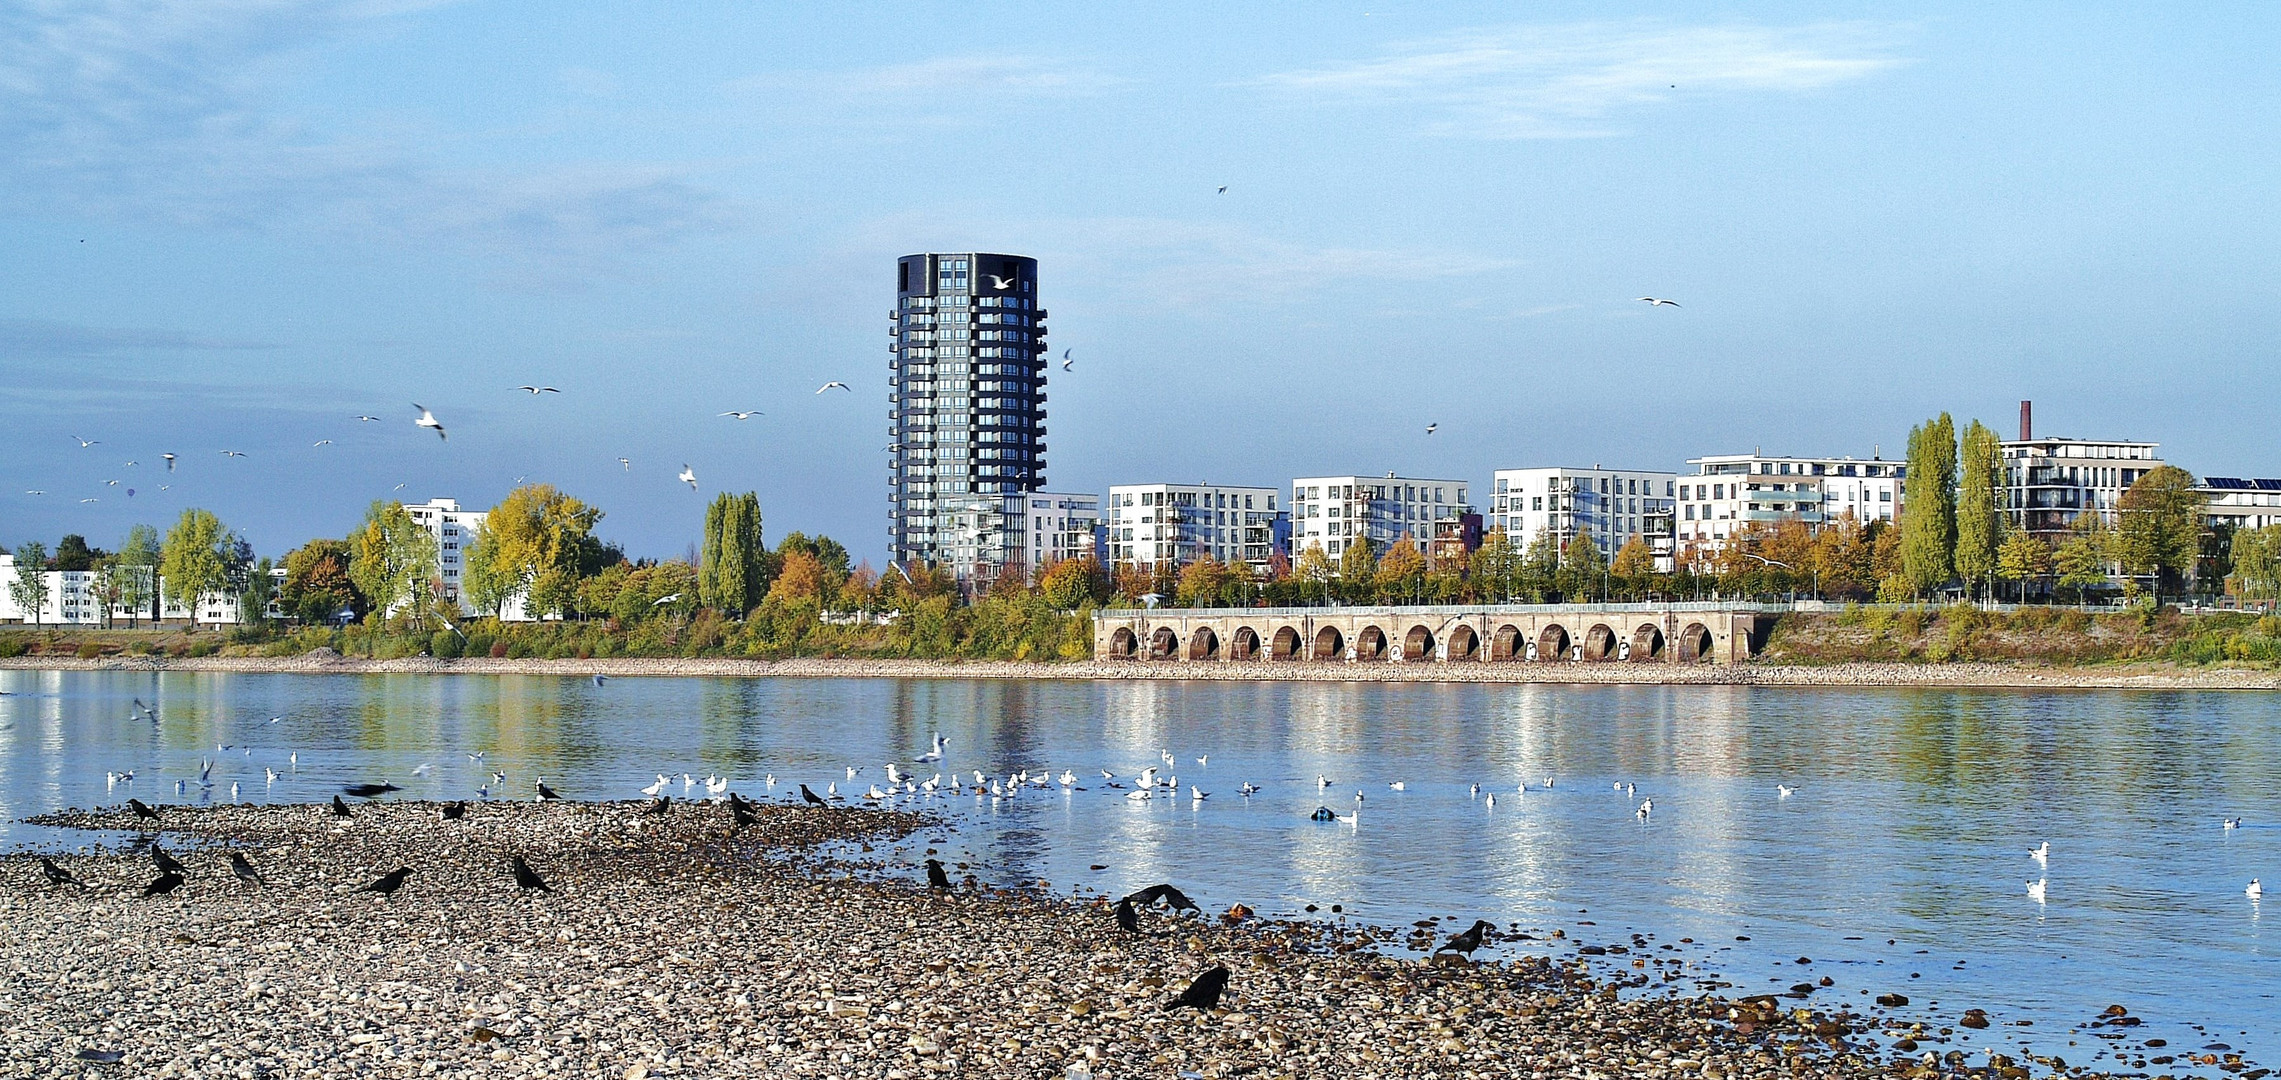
{"x":1612,"y":506}
{"x":1061,"y":526}
{"x":1728,"y":491}
{"x":1151,"y":524}
{"x":74,"y":599}
{"x":2242,"y":504}
{"x":454,"y":530}
{"x":1329,"y":511}
{"x":2051,"y":481}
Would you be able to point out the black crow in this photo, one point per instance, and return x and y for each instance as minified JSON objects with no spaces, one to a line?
{"x":455,"y":811}
{"x":167,"y":864}
{"x":57,"y":875}
{"x":388,"y":883}
{"x":936,"y":879}
{"x":245,"y":871}
{"x":1127,"y":919}
{"x":166,"y":883}
{"x":526,"y":878}
{"x":1173,"y":898}
{"x":662,"y":807}
{"x":1469,"y":940}
{"x":102,"y":1057}
{"x":545,"y":792}
{"x":366,"y":791}
{"x":143,"y":810}
{"x":1202,"y":994}
{"x":340,"y":809}
{"x":811,"y":798}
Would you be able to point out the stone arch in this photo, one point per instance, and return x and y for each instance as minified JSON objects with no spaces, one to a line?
{"x":1370,"y":644}
{"x":1418,"y":644}
{"x":1552,"y":644}
{"x":1123,"y":644}
{"x":1203,"y":644}
{"x":1329,"y":644}
{"x":1244,"y":645}
{"x":1647,"y":643}
{"x":1285,"y":645}
{"x":1507,"y":643}
{"x":1163,"y":644}
{"x":1599,"y":643}
{"x":1694,"y":644}
{"x":1464,"y":644}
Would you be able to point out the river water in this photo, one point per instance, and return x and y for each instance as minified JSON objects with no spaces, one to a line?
{"x":1910,"y":817}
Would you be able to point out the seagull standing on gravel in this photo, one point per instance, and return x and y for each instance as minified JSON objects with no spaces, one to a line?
{"x":428,"y":420}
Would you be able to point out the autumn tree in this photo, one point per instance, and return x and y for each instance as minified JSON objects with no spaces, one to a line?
{"x":2257,"y":563}
{"x":1496,"y":567}
{"x":1314,"y":573}
{"x":135,"y":572}
{"x":1199,"y":583}
{"x":1928,"y":507}
{"x":2161,"y":531}
{"x":1633,"y":567}
{"x":196,"y":560}
{"x":538,"y":543}
{"x":1401,"y":575}
{"x":392,"y":560}
{"x":1541,"y":566}
{"x":2023,"y":559}
{"x":1073,"y":584}
{"x":1582,"y":569}
{"x":2082,"y":558}
{"x":1358,"y":572}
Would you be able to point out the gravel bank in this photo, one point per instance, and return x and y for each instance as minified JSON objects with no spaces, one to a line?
{"x":2133,"y":677}
{"x":670,"y":947}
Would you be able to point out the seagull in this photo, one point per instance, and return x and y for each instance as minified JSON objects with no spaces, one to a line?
{"x":688,"y":476}
{"x":1395,"y":786}
{"x":132,"y":464}
{"x":2255,"y":891}
{"x":661,"y":602}
{"x":832,"y":385}
{"x":321,"y":442}
{"x":1431,"y":428}
{"x":599,"y":678}
{"x":428,"y":420}
{"x":85,"y":443}
{"x":1065,"y":360}
{"x":1654,"y":301}
{"x":536,"y":390}
{"x":232,"y":453}
{"x":2041,"y":853}
{"x":2231,"y":824}
{"x":628,"y":463}
{"x":1197,"y":794}
{"x":368,"y":419}
{"x":35,"y":492}
{"x":169,"y":461}
{"x":1223,"y":189}
{"x":997,"y":282}
{"x":2035,"y":890}
{"x":1784,"y":791}
{"x":936,"y":753}
{"x":745,"y":415}
{"x":90,"y":500}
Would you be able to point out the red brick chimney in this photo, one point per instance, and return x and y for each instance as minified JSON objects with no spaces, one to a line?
{"x":2027,"y":421}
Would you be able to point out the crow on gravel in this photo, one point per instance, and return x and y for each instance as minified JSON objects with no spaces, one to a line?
{"x":1202,"y":994}
{"x":811,"y":798}
{"x":1469,"y":940}
{"x":455,"y":811}
{"x":143,"y":810}
{"x":662,"y":807}
{"x":545,"y":792}
{"x":526,"y":878}
{"x":388,"y":883}
{"x":1173,"y":898}
{"x":1127,"y":919}
{"x":366,"y":791}
{"x":340,"y":809}
{"x":166,"y":883}
{"x":936,"y":879}
{"x":245,"y":871}
{"x":57,"y":875}
{"x":167,"y":864}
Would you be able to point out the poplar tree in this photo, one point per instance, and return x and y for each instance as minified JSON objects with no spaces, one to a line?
{"x":732,"y":565}
{"x":1928,"y":506}
{"x":1979,"y":504}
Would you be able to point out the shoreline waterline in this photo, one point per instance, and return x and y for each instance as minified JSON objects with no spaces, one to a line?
{"x":1967,"y":675}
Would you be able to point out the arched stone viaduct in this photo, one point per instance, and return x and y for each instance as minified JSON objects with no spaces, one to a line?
{"x":1685,"y":633}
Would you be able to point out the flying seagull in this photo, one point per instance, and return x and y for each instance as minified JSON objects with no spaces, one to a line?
{"x":535,"y":390}
{"x":35,"y":491}
{"x":85,"y":443}
{"x":169,"y":461}
{"x":833,"y":384}
{"x":233,"y":453}
{"x":428,"y":419}
{"x":322,"y":442}
{"x":1656,"y":301}
{"x":1431,"y":428}
{"x":367,"y":419}
{"x":1223,"y":189}
{"x":997,"y":282}
{"x":90,"y":500}
{"x":746,"y":415}
{"x":1065,"y":360}
{"x":628,"y":463}
{"x":688,"y":476}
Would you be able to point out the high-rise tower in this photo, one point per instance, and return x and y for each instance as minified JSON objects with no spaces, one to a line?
{"x":966,"y":379}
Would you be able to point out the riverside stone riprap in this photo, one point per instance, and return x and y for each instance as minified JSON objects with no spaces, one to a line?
{"x":673,"y":945}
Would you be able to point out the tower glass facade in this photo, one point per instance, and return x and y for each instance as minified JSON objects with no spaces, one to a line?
{"x":966,"y":411}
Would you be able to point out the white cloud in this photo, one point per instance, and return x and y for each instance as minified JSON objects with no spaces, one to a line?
{"x":1572,"y":81}
{"x":173,"y":111}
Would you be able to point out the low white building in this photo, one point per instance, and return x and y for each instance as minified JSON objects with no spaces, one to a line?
{"x":1176,"y":524}
{"x":1330,"y":511}
{"x":74,"y":598}
{"x":1061,"y":526}
{"x":1728,"y":491}
{"x":1612,"y":506}
{"x":2237,"y":504}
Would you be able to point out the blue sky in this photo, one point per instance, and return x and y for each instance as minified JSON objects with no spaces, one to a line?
{"x":237,"y":224}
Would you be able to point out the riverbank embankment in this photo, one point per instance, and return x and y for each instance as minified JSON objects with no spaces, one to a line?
{"x":676,"y":945}
{"x":2143,"y":676}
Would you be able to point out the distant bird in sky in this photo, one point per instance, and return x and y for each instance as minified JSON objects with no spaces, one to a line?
{"x":85,"y":443}
{"x":363,"y":419}
{"x":233,"y":453}
{"x":745,"y":415}
{"x":322,"y":442}
{"x":398,"y":487}
{"x":428,"y":420}
{"x":688,"y":476}
{"x":169,"y":461}
{"x":1431,"y":428}
{"x":35,"y":491}
{"x":535,"y":390}
{"x":1202,"y":994}
{"x":387,"y":884}
{"x":83,"y":501}
{"x":132,"y":464}
{"x":1223,"y":189}
{"x":628,"y":463}
{"x":997,"y":282}
{"x":835,"y":384}
{"x":526,"y":878}
{"x":1066,"y":360}
{"x":1657,"y":301}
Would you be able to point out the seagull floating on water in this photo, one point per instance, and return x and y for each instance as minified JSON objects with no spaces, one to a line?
{"x":2255,"y":891}
{"x":2041,"y":853}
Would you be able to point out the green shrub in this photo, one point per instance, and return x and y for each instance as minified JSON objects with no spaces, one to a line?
{"x":12,"y":647}
{"x":206,"y":647}
{"x":89,"y":651}
{"x":444,"y":644}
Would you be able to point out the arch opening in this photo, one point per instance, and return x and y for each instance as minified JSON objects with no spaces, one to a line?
{"x":1203,"y":644}
{"x":1285,"y":645}
{"x":1464,"y":644}
{"x":1244,"y":645}
{"x":1552,"y":644}
{"x":1370,"y":644}
{"x":1506,"y":643}
{"x":1599,"y":643}
{"x":1647,"y":643}
{"x":1123,"y":644}
{"x":1329,"y":644}
{"x":1694,"y":644}
{"x":1163,"y":644}
{"x":1418,"y":644}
